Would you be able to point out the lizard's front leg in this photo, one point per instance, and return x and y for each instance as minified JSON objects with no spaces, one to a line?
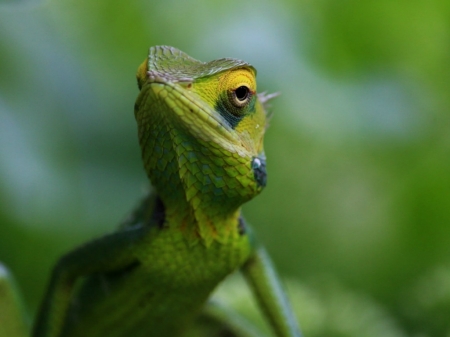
{"x":12,"y":318}
{"x":109,"y":253}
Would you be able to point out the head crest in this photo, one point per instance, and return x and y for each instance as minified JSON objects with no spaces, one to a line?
{"x":171,"y":62}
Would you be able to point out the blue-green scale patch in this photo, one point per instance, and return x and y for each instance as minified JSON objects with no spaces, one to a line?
{"x":259,"y":170}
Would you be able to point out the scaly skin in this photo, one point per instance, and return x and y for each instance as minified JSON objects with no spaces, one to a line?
{"x":201,"y":128}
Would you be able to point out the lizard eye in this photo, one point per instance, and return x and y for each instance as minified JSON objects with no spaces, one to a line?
{"x":240,"y":96}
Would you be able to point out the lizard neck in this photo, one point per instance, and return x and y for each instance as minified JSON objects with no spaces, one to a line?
{"x":201,"y":224}
{"x":201,"y":185}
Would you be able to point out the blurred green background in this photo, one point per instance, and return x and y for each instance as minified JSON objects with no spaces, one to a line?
{"x":357,"y":209}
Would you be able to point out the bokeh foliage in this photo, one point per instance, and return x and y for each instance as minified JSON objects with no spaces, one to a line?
{"x":357,"y":209}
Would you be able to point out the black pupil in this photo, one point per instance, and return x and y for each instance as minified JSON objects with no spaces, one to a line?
{"x":241,"y":93}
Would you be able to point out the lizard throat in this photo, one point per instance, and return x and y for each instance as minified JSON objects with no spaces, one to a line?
{"x":202,"y":186}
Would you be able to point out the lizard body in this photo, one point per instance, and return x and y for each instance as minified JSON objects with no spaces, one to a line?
{"x":201,"y":128}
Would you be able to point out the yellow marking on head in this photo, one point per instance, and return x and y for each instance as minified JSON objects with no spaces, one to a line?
{"x":228,"y":90}
{"x":210,"y":88}
{"x":141,"y":74}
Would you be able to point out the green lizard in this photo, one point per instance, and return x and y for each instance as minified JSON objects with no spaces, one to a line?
{"x":201,"y":128}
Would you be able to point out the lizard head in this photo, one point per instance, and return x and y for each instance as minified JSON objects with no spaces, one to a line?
{"x":201,"y":127}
